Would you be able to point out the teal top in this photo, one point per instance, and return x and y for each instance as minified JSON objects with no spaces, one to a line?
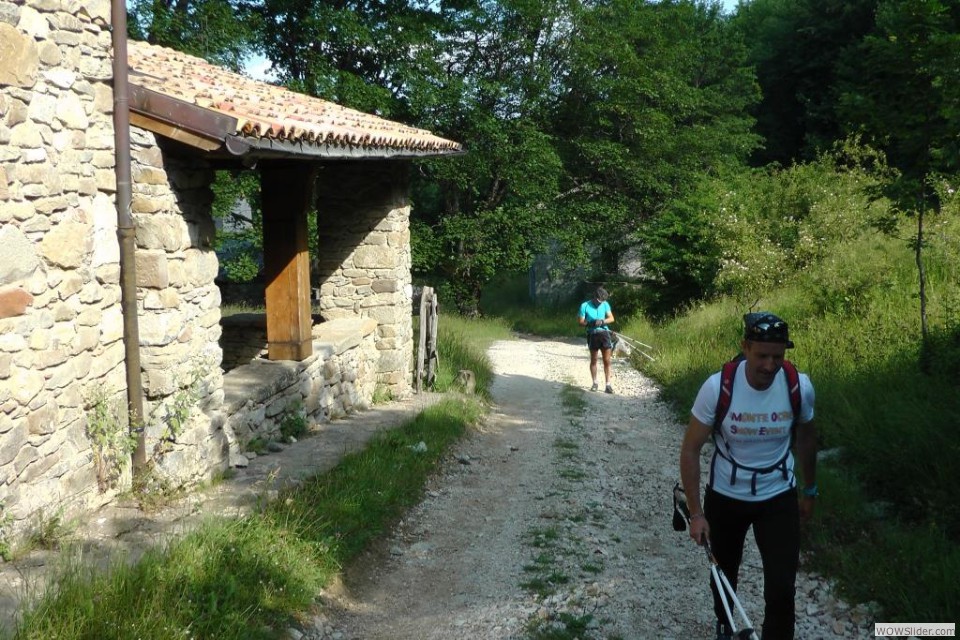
{"x":592,"y":312}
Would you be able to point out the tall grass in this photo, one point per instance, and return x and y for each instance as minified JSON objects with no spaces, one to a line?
{"x":462,"y":343}
{"x":889,"y":522}
{"x":240,"y":578}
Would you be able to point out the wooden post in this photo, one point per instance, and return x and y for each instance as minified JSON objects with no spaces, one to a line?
{"x":287,"y":190}
{"x":427,"y":357}
{"x":422,"y":342}
{"x":433,"y":359}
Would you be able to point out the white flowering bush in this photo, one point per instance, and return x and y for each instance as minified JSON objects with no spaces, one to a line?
{"x":776,"y":224}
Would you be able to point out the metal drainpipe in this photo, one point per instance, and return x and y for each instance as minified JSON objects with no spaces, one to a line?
{"x":126,"y":231}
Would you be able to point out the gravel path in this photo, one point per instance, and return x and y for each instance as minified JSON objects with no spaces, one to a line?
{"x":554,"y":517}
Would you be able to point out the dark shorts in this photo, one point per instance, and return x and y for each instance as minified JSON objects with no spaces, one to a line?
{"x":600,"y":340}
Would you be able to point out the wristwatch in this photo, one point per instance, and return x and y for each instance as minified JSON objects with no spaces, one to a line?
{"x":811,"y":491}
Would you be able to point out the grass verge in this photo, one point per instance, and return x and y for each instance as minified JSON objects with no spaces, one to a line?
{"x":462,"y":344}
{"x":241,"y":578}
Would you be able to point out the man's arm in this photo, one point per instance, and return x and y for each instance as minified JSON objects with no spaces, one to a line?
{"x":695,"y":437}
{"x":807,"y":457}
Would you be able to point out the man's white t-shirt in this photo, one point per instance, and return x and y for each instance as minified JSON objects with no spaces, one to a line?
{"x":756,"y":433}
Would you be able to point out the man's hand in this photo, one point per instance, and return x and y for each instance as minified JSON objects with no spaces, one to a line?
{"x":699,"y":529}
{"x":598,"y":323}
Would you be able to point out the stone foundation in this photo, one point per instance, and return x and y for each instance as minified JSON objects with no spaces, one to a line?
{"x":335,"y":381}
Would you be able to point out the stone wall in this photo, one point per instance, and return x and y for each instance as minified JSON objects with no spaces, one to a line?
{"x":335,"y":381}
{"x":63,"y":413}
{"x":244,"y":338}
{"x":363,"y":216}
{"x":61,"y":350}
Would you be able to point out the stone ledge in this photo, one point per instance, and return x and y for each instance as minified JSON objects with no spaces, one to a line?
{"x":343,"y":333}
{"x":258,"y":380}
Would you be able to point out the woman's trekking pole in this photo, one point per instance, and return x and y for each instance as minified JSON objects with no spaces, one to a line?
{"x":636,"y":344}
{"x":681,"y":518}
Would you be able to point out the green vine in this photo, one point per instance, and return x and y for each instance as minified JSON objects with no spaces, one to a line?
{"x":6,"y":549}
{"x":177,"y":411}
{"x":294,"y":422}
{"x":110,"y":440}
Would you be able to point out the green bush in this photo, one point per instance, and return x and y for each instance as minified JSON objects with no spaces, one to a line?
{"x":294,"y":422}
{"x":744,"y":234}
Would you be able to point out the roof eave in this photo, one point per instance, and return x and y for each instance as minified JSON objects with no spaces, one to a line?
{"x":215,"y":133}
{"x":179,"y":120}
{"x":272,"y":148}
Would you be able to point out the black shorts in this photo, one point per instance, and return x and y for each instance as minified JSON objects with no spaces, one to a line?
{"x":600,"y":340}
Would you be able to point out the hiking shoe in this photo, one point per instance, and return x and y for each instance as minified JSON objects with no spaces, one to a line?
{"x":609,"y":389}
{"x":594,"y":387}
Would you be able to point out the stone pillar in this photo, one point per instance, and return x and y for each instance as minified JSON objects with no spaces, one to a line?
{"x":179,"y":310}
{"x":363,"y":224}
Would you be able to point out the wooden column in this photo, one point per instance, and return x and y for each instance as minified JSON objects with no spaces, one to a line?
{"x":287,"y":192}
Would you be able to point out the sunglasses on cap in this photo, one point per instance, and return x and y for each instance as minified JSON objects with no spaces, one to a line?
{"x":766,"y":327}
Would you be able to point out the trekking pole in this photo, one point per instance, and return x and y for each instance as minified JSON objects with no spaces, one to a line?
{"x":632,"y":341}
{"x":681,"y":517}
{"x":635,"y":344}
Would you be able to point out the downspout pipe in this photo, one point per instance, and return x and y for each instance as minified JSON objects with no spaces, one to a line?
{"x":126,"y":232}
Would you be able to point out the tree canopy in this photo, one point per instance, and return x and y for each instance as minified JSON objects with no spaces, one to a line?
{"x":594,"y":126}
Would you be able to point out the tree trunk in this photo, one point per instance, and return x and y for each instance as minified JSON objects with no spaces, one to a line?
{"x":922,"y":274}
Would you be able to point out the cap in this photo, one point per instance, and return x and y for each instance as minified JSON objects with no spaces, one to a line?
{"x":764,"y":326}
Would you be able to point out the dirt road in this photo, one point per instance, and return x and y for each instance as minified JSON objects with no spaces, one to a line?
{"x":554,"y":516}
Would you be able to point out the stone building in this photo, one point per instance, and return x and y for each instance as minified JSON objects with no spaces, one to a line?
{"x":65,"y":444}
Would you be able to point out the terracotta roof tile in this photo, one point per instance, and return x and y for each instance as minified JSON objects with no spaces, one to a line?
{"x":267,"y":111}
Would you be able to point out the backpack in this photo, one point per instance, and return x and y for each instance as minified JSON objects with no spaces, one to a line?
{"x":727,"y":376}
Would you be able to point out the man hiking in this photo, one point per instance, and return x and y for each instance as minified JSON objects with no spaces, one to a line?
{"x":753,"y":409}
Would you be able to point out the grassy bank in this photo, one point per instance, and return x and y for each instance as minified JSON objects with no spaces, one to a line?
{"x":242,"y":577}
{"x":888,"y":524}
{"x":462,"y":344}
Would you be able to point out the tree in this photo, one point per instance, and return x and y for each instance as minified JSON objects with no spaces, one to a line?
{"x":219,"y":31}
{"x":489,"y":208}
{"x":796,"y":46}
{"x":900,"y":88}
{"x":370,"y":55}
{"x":655,"y":100}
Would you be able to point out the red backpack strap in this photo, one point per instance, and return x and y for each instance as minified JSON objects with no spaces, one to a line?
{"x":727,"y":375}
{"x":793,"y":386}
